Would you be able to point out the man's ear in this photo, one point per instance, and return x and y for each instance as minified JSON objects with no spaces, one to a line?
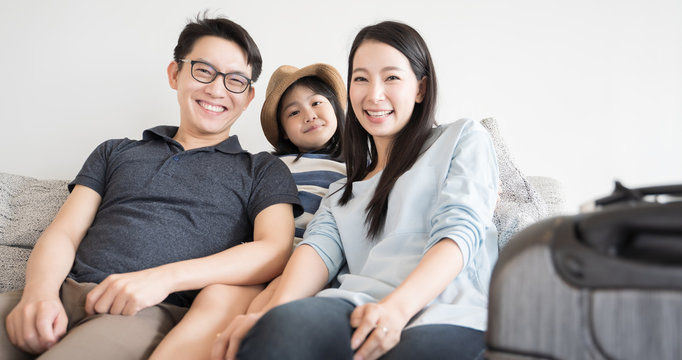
{"x":421,"y":89}
{"x":252,"y":94}
{"x":173,"y":74}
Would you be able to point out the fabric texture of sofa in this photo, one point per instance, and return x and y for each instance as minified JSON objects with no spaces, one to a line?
{"x":27,"y":205}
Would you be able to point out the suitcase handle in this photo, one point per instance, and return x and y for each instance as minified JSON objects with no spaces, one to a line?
{"x":622,"y":193}
{"x":648,"y":232}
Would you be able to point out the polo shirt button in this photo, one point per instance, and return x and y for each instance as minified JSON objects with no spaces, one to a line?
{"x":176,"y":158}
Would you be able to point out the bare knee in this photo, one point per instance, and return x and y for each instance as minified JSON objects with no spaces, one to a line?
{"x":221,"y":294}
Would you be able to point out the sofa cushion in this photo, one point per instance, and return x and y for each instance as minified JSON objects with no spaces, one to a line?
{"x":27,"y":206}
{"x":12,"y":267}
{"x":519,"y":204}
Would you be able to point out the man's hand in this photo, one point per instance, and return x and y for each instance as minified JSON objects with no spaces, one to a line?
{"x":35,"y":325}
{"x":126,"y":294}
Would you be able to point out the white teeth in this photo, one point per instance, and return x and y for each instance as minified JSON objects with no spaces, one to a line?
{"x":210,"y":107}
{"x":378,"y":113}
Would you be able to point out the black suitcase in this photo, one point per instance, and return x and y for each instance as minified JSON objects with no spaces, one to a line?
{"x":606,"y":284}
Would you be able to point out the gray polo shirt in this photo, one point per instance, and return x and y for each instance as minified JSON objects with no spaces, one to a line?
{"x":162,"y":204}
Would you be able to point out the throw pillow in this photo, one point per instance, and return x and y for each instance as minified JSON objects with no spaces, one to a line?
{"x":519,"y":204}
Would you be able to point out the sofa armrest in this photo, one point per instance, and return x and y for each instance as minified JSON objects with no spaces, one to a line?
{"x":27,"y":206}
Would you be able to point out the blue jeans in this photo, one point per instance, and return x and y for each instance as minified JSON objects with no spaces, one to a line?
{"x":318,"y":328}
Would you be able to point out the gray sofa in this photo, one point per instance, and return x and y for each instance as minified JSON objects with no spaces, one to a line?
{"x":27,"y":206}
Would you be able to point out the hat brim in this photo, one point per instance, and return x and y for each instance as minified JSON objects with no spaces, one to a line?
{"x":280,"y":81}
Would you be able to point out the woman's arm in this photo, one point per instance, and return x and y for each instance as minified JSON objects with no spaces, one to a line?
{"x":463,"y":208}
{"x":304,"y":275}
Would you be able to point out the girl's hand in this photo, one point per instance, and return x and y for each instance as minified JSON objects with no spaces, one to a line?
{"x":227,"y":343}
{"x":377,"y":330}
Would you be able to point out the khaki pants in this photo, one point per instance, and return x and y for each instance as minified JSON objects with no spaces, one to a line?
{"x":99,"y":336}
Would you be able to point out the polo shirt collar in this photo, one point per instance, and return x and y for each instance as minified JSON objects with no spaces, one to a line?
{"x":230,"y":145}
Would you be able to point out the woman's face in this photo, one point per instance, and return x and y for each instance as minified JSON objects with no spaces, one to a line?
{"x":308,"y":118}
{"x":383,"y":89}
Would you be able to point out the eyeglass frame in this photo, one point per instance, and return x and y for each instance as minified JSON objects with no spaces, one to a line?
{"x":191,"y":72}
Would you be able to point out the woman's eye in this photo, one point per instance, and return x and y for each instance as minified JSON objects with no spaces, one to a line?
{"x":359,"y":78}
{"x":315,"y":103}
{"x":392,"y":77}
{"x":293,"y":113}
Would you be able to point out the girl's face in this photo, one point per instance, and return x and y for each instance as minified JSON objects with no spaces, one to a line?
{"x":308,"y":119}
{"x":383,"y":89}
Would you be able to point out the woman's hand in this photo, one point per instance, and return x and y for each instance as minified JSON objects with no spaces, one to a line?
{"x":378,"y":326}
{"x":227,"y":343}
{"x":377,"y":330}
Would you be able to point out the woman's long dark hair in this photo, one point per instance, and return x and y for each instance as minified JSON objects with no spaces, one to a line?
{"x":358,"y":146}
{"x":334,"y":145}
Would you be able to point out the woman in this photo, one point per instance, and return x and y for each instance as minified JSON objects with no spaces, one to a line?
{"x":409,"y":234}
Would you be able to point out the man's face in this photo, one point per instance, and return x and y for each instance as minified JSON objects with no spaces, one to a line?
{"x":208,"y":111}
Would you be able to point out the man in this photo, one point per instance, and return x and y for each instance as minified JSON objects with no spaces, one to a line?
{"x":149,"y":221}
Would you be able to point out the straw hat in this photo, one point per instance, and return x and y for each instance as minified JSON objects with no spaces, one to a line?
{"x":280,"y":81}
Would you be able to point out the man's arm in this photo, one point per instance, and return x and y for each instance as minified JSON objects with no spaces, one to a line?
{"x":251,"y":263}
{"x":37,"y":322}
{"x":245,"y":264}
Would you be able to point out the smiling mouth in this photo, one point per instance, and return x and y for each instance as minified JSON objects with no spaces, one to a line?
{"x":210,"y":107}
{"x":314,"y":127}
{"x":378,"y":114}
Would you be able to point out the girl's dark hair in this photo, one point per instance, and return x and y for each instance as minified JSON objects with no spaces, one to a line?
{"x":223,"y":28}
{"x":333,"y":146}
{"x":359,"y":149}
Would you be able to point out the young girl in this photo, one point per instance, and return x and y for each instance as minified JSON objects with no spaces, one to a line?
{"x":409,"y":234}
{"x":302,"y":117}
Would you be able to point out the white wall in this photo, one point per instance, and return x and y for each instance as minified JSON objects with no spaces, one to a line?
{"x":586,"y":91}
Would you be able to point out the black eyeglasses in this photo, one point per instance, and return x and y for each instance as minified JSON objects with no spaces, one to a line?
{"x":205,"y":73}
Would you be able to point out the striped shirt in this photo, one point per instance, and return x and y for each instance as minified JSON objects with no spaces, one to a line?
{"x":313,"y":173}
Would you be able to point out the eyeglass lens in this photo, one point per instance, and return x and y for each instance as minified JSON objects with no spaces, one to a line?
{"x":206,"y":73}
